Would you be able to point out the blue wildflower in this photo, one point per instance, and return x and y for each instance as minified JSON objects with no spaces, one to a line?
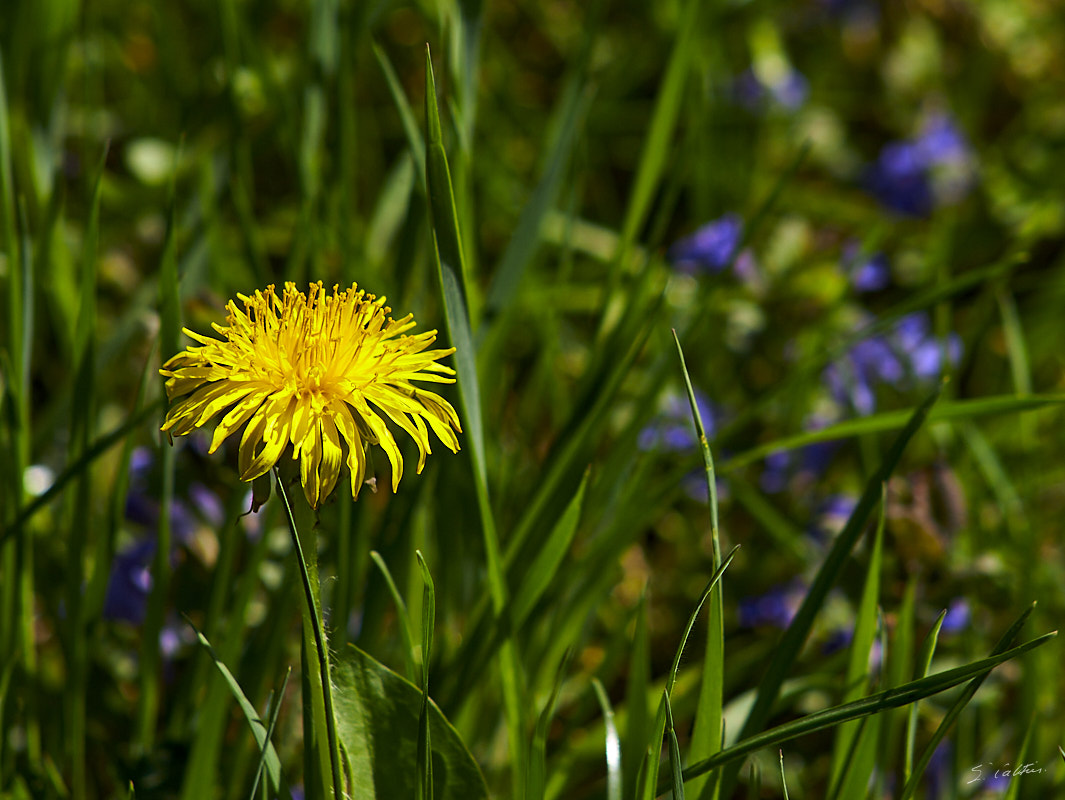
{"x":776,"y":608}
{"x":867,"y":273}
{"x":789,"y":90}
{"x":908,"y":352}
{"x":711,"y":248}
{"x":958,"y":617}
{"x":914,"y":175}
{"x":674,"y":429}
{"x":129,"y":584}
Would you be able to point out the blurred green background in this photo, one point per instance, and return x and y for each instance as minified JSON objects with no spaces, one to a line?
{"x":835,"y":203}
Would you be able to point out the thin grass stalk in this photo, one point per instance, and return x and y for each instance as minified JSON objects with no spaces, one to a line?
{"x":314,"y":609}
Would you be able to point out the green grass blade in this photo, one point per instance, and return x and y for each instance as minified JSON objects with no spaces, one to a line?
{"x":1014,"y":788}
{"x":523,"y":244}
{"x":406,"y":114}
{"x":425,"y":749}
{"x":924,"y":663}
{"x":671,"y":679}
{"x":324,"y":715}
{"x":636,"y":694}
{"x":953,"y":411}
{"x":169,"y":333}
{"x":453,"y":279}
{"x":657,"y":146}
{"x":401,"y":613}
{"x":857,"y":677}
{"x":783,"y":778}
{"x":795,"y":636}
{"x":613,"y":743}
{"x":82,"y":463}
{"x":258,"y":729}
{"x":706,"y":732}
{"x":676,"y":766}
{"x":548,"y":559}
{"x":536,"y":772}
{"x":275,"y":712}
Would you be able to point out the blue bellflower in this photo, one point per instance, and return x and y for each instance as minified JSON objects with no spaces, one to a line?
{"x":907,"y":354}
{"x":776,"y":608}
{"x":674,"y":429}
{"x":903,"y":177}
{"x":867,"y":273}
{"x":789,"y":91}
{"x":711,"y":248}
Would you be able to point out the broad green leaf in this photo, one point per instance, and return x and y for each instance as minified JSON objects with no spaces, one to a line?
{"x":377,"y":720}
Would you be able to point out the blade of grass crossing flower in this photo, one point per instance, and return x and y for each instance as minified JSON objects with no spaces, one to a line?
{"x":613,"y":743}
{"x":274,"y":703}
{"x":82,"y":463}
{"x":453,"y":281}
{"x":857,"y":677}
{"x":272,"y":763}
{"x":401,"y":613}
{"x":324,"y":716}
{"x":924,"y":663}
{"x":425,"y":750}
{"x":795,"y":636}
{"x":873,"y":704}
{"x":706,"y":732}
{"x":536,"y":769}
{"x":676,"y":766}
{"x":959,"y":704}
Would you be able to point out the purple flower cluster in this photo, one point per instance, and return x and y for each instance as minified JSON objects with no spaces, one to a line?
{"x":131,"y":580}
{"x":711,"y":248}
{"x":674,"y":429}
{"x":903,"y":177}
{"x":789,"y":91}
{"x":867,"y":273}
{"x":776,"y":608}
{"x":908,"y":353}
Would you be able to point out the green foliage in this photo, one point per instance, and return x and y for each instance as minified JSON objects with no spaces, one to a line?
{"x":875,"y":193}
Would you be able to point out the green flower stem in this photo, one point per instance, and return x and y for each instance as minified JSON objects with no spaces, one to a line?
{"x":313,"y":609}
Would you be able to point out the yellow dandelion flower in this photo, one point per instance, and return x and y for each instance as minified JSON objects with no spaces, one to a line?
{"x":308,"y":370}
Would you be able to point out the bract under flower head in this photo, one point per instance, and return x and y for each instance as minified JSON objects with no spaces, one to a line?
{"x":308,"y":370}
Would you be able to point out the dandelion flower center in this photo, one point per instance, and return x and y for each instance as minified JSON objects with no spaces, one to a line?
{"x":317,"y":373}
